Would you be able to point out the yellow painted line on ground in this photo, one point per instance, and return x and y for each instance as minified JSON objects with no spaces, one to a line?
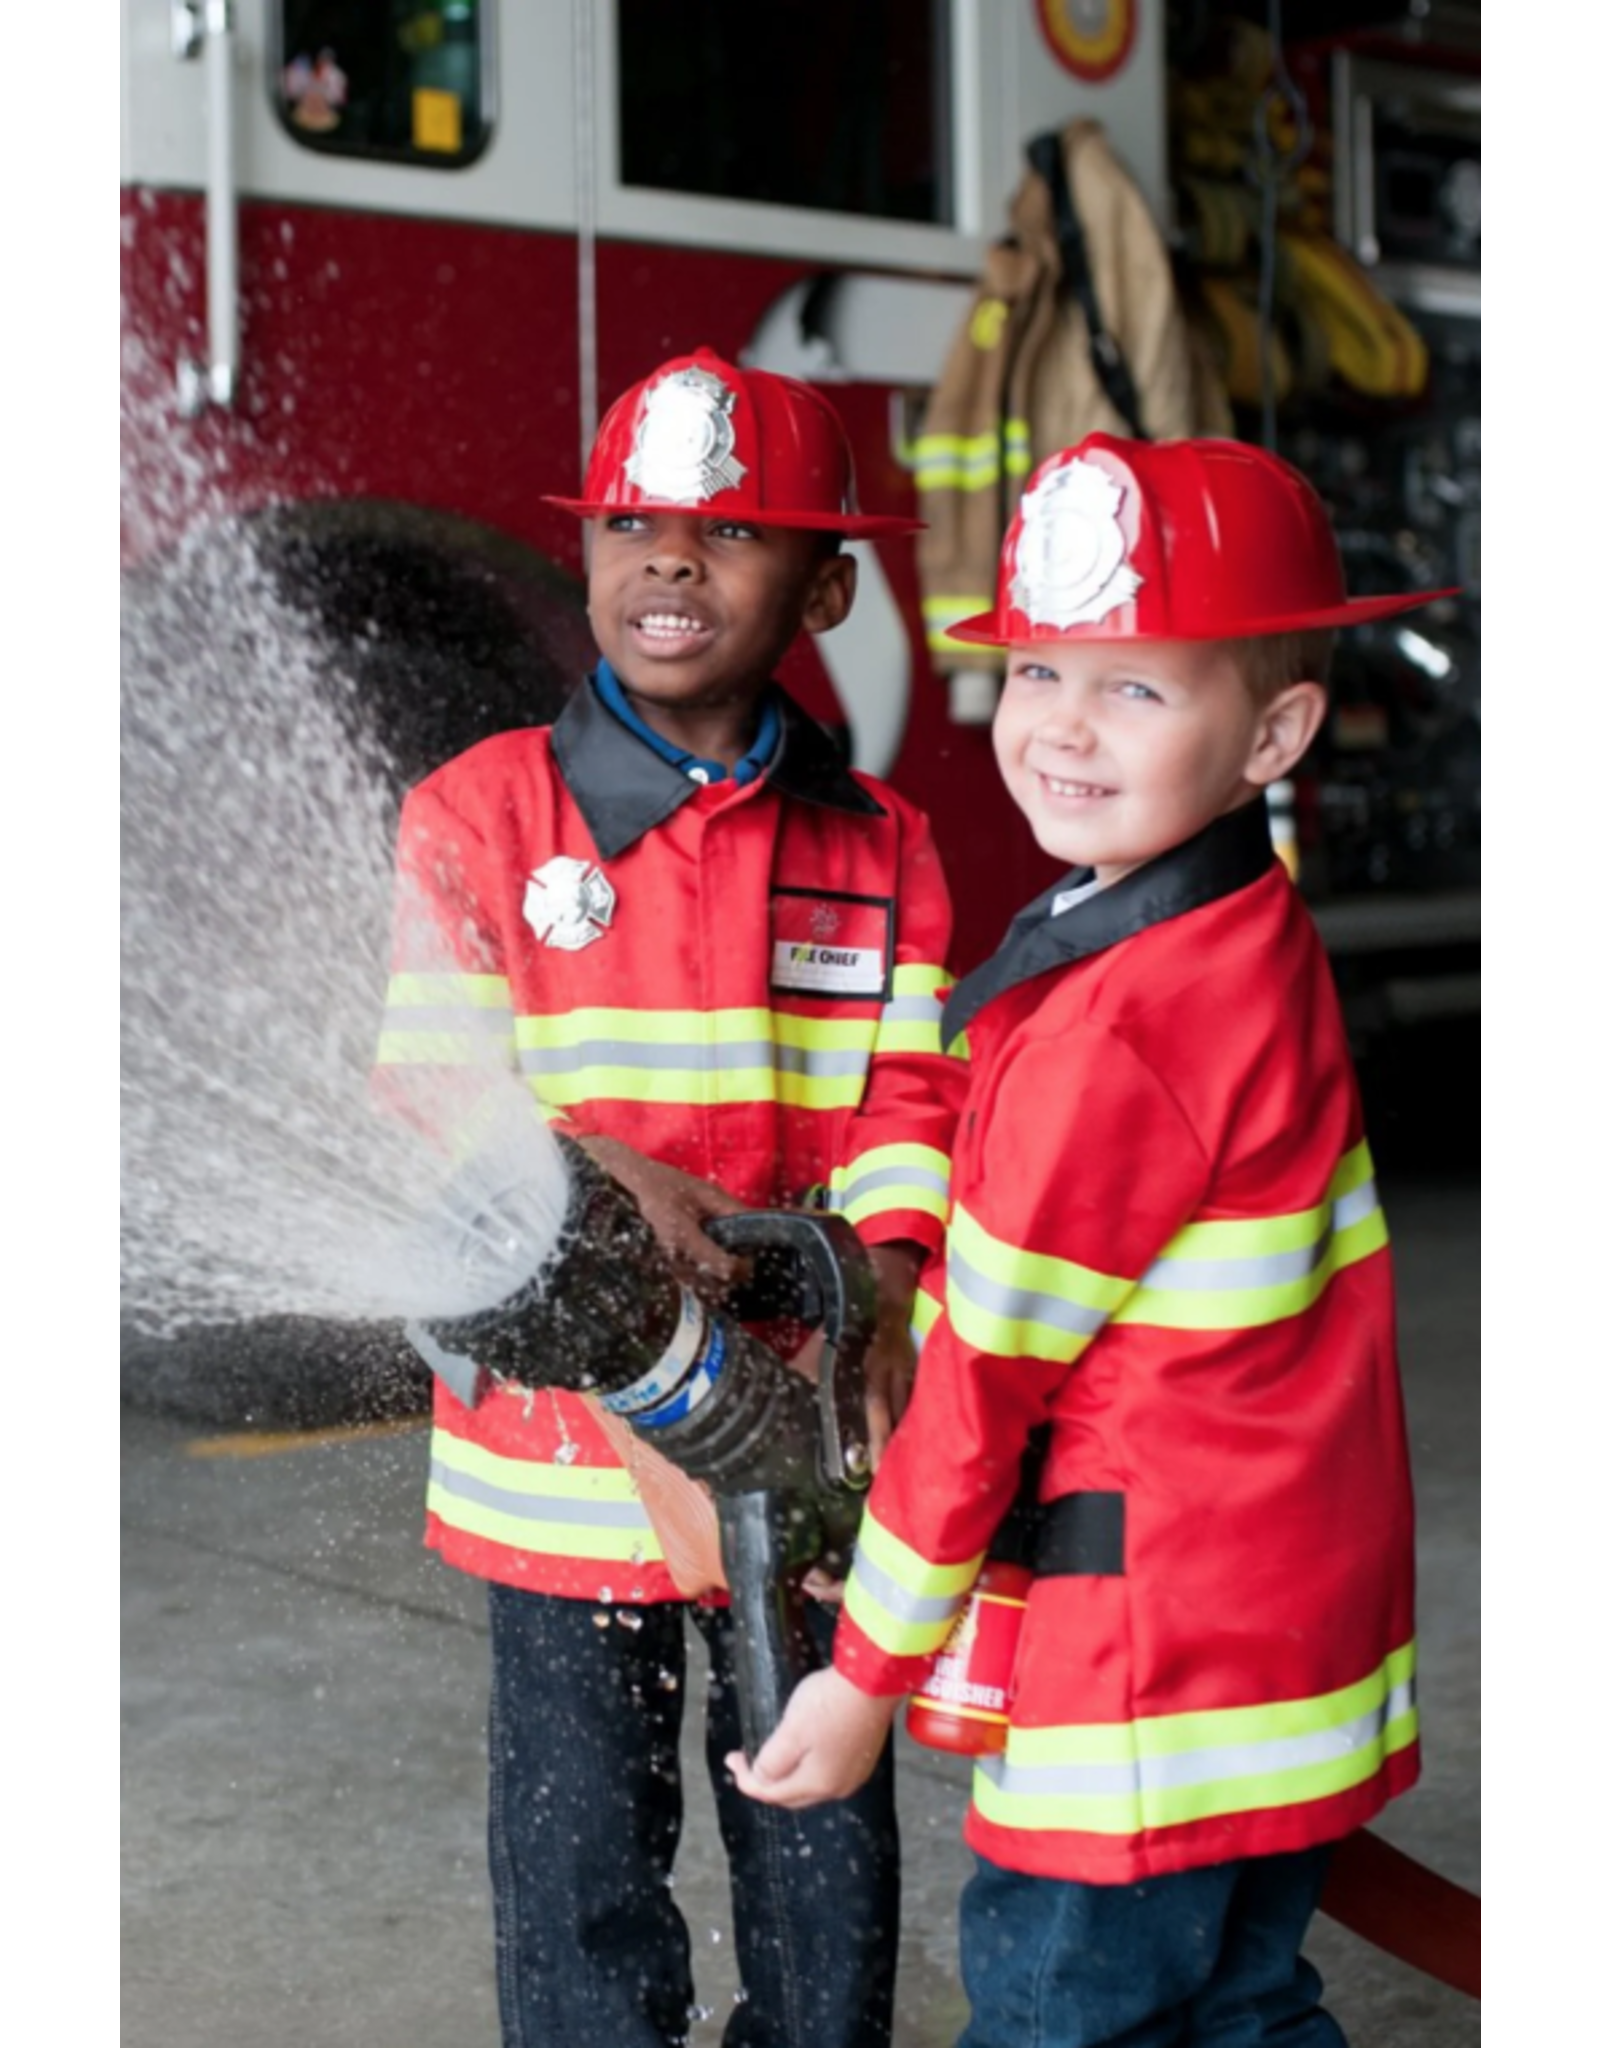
{"x":266,"y":1444}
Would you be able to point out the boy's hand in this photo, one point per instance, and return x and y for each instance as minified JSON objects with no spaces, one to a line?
{"x":824,"y":1747}
{"x":675,"y":1205}
{"x":891,"y":1362}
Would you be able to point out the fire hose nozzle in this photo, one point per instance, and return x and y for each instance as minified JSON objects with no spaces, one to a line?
{"x":787,"y":1463}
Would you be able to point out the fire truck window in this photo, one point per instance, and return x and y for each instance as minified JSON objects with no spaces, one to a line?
{"x":398,"y":79}
{"x":835,"y":104}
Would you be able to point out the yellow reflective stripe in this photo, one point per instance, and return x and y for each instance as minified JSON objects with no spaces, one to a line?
{"x":1021,"y":1304}
{"x":441,"y":1048}
{"x":926,"y":1310}
{"x":892,"y":1177}
{"x":902,"y":1602}
{"x":570,"y":1510}
{"x":988,"y":323}
{"x":938,"y":613}
{"x":911,"y":1017}
{"x":958,"y":462}
{"x":1169,"y":1770}
{"x":700,"y":1088}
{"x":694,"y":1028}
{"x":438,"y":991}
{"x":909,"y":1035}
{"x":920,"y":978}
{"x":971,"y":462}
{"x":1240,"y":1273}
{"x":698,"y":1057}
{"x":702,"y":1027}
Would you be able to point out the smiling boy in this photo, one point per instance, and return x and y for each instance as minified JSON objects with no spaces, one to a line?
{"x":1165,"y":1251}
{"x":643,"y":886}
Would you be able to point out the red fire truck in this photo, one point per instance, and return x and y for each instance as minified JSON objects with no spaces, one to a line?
{"x":387,"y":261}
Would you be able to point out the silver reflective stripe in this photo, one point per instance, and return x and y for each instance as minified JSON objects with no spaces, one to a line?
{"x":697,"y":1059}
{"x":539,"y":1507}
{"x":893,"y":1177}
{"x":1022,"y":1304}
{"x":802,"y":1059}
{"x":893,"y":1598}
{"x":1201,"y":1766}
{"x":913,"y":1010}
{"x":1275,"y":1269}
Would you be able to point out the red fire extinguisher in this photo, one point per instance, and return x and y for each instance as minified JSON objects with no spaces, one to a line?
{"x":964,"y":1705}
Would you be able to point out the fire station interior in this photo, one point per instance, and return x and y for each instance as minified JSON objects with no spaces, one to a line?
{"x":300,"y":1866}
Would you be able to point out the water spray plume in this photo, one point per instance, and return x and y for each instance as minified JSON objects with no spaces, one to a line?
{"x":260,"y":1174}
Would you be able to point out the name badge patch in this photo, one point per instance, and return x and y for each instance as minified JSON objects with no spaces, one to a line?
{"x":827,"y":945}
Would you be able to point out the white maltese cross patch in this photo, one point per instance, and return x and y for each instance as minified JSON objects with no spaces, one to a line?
{"x":569,"y":903}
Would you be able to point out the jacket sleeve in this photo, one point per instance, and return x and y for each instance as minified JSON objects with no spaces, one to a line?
{"x":893,"y":1176}
{"x":446,"y":1049}
{"x":1085,"y":1172}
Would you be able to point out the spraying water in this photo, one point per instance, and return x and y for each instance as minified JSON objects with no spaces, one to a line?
{"x":260,"y":1176}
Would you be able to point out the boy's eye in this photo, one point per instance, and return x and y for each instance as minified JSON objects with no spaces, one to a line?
{"x":1138,"y":691}
{"x":1034,"y":672}
{"x":625,"y":522}
{"x":734,"y":529}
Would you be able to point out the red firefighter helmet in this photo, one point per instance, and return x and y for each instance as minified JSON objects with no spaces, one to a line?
{"x":704,"y":437}
{"x":1169,"y":540}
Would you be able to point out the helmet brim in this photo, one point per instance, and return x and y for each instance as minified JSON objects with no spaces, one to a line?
{"x":985,"y":629}
{"x":852,"y":525}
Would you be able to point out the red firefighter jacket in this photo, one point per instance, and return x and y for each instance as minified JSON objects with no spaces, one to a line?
{"x":743,"y":982}
{"x":1165,"y":1248}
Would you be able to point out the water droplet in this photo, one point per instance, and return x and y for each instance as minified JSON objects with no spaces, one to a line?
{"x":600,"y":1618}
{"x":605,"y":1593}
{"x":565,"y":1453}
{"x":628,"y":1619}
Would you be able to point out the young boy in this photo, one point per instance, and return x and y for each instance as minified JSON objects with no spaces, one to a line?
{"x":1165,"y":1248}
{"x":649,"y":881}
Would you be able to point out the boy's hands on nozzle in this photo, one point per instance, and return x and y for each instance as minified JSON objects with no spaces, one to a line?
{"x":675,"y":1205}
{"x":891,"y":1363}
{"x":824,"y":1747}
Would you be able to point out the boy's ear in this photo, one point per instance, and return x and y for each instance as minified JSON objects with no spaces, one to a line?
{"x":832,"y":593}
{"x":1287,"y":727}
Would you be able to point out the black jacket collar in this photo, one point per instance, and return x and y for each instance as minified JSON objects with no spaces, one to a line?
{"x":1232,"y":852}
{"x":624,"y":788}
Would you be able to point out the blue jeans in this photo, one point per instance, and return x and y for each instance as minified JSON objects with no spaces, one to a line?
{"x":1201,"y":1957}
{"x":585,"y":1812}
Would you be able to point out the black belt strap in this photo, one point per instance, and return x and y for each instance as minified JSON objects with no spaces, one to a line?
{"x":1081,"y":1536}
{"x":1047,"y":156}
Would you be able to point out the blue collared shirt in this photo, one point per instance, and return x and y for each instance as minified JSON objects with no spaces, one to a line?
{"x":752,"y":764}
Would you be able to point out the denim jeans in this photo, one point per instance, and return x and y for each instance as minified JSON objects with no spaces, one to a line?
{"x":1206,"y":1957}
{"x":585,"y":1812}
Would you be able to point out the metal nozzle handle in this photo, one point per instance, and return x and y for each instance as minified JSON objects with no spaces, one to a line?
{"x":813,"y":1267}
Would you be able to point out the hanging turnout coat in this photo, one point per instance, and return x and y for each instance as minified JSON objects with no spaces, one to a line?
{"x":1166,"y":1249}
{"x":762,"y":1011}
{"x":1019,"y":381}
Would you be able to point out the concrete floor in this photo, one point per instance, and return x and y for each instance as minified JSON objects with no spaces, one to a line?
{"x":304,"y":1692}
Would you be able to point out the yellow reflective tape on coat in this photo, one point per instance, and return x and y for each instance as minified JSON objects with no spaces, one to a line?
{"x":1168,"y":1770}
{"x":1242,"y":1273}
{"x":892,"y":1177}
{"x":956,"y":462}
{"x":1020,"y":1304}
{"x":941,"y":612}
{"x":570,"y":1510}
{"x":905,"y":1604}
{"x":912,"y":1016}
{"x":699,"y":1058}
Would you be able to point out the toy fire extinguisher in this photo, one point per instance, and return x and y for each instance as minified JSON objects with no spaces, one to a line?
{"x":964,"y":1705}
